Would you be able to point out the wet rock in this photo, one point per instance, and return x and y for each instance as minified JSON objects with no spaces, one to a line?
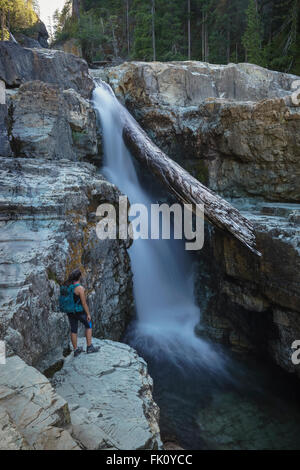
{"x":48,"y":229}
{"x":19,"y":65}
{"x":32,"y":415}
{"x":233,"y":127}
{"x":110,"y":398}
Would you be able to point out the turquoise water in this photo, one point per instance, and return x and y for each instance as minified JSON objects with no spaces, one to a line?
{"x":255,"y":406}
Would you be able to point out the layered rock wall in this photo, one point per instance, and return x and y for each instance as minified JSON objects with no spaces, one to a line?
{"x":50,"y":193}
{"x":233,"y":127}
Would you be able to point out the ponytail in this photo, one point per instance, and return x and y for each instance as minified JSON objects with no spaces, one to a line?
{"x":74,"y":276}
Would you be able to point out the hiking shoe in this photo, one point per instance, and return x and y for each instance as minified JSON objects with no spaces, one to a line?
{"x":77,"y":352}
{"x":92,"y":349}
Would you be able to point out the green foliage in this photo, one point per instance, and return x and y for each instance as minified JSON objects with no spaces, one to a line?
{"x":64,"y":27}
{"x":265,"y":32}
{"x":252,"y":39}
{"x":17,"y":16}
{"x":90,"y":33}
{"x":142,"y":40}
{"x":284,"y":48}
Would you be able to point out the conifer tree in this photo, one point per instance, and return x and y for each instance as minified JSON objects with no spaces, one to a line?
{"x":252,"y":39}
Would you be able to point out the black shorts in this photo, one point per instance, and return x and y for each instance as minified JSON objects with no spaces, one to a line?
{"x":74,"y":318}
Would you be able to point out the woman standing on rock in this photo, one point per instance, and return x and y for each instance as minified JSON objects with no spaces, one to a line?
{"x":73,"y":302}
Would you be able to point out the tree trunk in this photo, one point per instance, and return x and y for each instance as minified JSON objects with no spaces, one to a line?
{"x":153,"y":30}
{"x":2,"y":24}
{"x":228,"y":46}
{"x":186,"y":188}
{"x":76,"y":9}
{"x":114,"y":41}
{"x":206,"y":40}
{"x":189,"y":29}
{"x":203,"y":37}
{"x":127,"y":27}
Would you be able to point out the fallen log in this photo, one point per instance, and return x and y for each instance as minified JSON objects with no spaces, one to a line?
{"x":187,"y":188}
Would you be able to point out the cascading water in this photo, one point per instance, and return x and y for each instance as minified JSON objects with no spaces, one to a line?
{"x":163,"y":279}
{"x":207,"y":399}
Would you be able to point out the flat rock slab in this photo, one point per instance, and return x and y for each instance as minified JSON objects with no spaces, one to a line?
{"x":32,"y":415}
{"x":110,"y":398}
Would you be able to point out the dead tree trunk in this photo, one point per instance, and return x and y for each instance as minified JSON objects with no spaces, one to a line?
{"x":186,"y":188}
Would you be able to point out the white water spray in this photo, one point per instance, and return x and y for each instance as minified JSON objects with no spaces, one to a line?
{"x":162,"y":274}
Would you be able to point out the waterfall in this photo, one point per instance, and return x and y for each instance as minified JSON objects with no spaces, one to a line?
{"x":162,"y":269}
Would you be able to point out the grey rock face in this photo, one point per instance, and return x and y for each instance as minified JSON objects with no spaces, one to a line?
{"x":254,"y":304}
{"x":188,"y":83}
{"x":5,"y":149}
{"x":233,"y":127}
{"x":19,"y":65}
{"x":47,"y":230}
{"x":10,"y":437}
{"x":26,"y":41}
{"x":32,"y":415}
{"x":36,"y":37}
{"x":47,"y":123}
{"x":110,"y":398}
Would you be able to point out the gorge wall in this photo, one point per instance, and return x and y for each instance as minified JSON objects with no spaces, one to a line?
{"x":50,"y":194}
{"x":50,"y":153}
{"x":236,"y":129}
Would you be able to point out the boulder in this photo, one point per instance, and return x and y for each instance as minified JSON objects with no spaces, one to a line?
{"x":110,"y":398}
{"x":48,"y":228}
{"x":234,"y":127}
{"x":26,"y":41}
{"x":39,"y":33}
{"x":19,"y":65}
{"x":32,"y":415}
{"x":52,"y":124}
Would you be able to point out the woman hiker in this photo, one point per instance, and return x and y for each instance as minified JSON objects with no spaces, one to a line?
{"x":81,"y":314}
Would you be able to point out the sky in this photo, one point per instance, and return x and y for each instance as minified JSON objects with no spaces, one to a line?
{"x":48,"y":7}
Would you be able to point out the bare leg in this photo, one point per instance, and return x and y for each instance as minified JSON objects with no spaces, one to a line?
{"x":74,"y":340}
{"x":88,"y":335}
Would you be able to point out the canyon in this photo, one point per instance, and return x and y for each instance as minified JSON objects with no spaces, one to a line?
{"x":236,"y":129}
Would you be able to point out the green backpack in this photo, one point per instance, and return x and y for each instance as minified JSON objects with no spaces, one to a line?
{"x":67,"y":303}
